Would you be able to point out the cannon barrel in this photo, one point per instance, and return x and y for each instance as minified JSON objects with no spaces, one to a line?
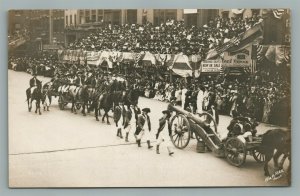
{"x":202,"y":129}
{"x":193,"y":117}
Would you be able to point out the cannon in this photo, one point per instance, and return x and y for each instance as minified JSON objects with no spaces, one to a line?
{"x":184,"y":123}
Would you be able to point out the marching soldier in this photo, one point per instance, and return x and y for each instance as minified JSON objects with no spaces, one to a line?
{"x":143,"y":127}
{"x":163,"y":127}
{"x":130,"y":119}
{"x":119,"y":118}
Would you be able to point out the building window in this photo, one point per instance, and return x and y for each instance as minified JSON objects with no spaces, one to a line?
{"x":67,"y":21}
{"x":71,"y":19}
{"x":287,"y":23}
{"x":87,"y":19}
{"x":100,"y":18}
{"x":287,"y":38}
{"x":255,"y":11}
{"x":225,"y":14}
{"x":93,"y":18}
{"x":75,"y":20}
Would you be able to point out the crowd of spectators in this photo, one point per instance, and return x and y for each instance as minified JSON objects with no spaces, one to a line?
{"x":260,"y":95}
{"x":171,"y":37}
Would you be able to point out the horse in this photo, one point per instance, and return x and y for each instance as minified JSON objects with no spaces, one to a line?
{"x":275,"y":139}
{"x":132,"y":97}
{"x":91,"y":96}
{"x":78,"y":95}
{"x":103,"y":101}
{"x":34,"y":93}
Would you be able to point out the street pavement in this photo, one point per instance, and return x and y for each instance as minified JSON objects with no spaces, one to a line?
{"x":62,"y":149}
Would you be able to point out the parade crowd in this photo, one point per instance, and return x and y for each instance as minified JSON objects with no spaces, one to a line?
{"x":171,"y":37}
{"x":256,"y":95}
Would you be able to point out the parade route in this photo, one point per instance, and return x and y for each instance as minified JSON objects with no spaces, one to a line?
{"x":61,"y":149}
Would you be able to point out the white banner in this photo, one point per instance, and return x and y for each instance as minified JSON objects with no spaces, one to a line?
{"x":190,"y":11}
{"x":240,"y":58}
{"x":211,"y":66}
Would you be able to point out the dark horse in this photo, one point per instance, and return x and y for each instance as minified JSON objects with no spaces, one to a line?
{"x":79,"y":95}
{"x":104,"y":101}
{"x":276,"y":139}
{"x":35,"y":93}
{"x":131,"y":97}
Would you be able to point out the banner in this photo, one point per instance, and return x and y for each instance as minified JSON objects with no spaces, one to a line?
{"x":209,"y":66}
{"x":181,"y":65}
{"x":190,"y":11}
{"x":238,"y":11}
{"x":93,"y":58}
{"x":149,"y":59}
{"x":239,"y":58}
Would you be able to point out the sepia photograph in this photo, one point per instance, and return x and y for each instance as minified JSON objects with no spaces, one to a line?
{"x":149,"y":98}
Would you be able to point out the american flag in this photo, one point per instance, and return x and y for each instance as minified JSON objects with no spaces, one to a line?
{"x":233,"y":42}
{"x":138,"y":56}
{"x":260,"y":52}
{"x":278,"y":13}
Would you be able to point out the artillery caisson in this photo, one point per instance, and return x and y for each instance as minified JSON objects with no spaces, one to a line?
{"x":183,"y":123}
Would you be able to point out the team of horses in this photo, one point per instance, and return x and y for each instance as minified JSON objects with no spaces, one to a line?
{"x":105,"y":97}
{"x":275,"y":142}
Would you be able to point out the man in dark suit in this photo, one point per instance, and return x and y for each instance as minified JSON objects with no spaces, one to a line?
{"x":143,"y":127}
{"x":33,"y":83}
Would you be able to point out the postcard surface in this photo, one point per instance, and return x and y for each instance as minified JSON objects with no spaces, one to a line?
{"x":149,"y":98}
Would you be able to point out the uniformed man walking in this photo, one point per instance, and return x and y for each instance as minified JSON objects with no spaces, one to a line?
{"x":164,"y":127}
{"x":143,"y":127}
{"x":119,"y":118}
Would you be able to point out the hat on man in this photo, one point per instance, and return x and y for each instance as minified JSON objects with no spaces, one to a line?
{"x":167,"y":112}
{"x":147,"y":110}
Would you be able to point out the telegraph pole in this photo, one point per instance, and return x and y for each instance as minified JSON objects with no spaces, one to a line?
{"x":50,"y":26}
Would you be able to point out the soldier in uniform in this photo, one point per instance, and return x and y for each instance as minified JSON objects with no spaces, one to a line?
{"x":130,"y":119}
{"x":163,"y":127}
{"x":33,"y":83}
{"x":119,"y":118}
{"x":143,"y":127}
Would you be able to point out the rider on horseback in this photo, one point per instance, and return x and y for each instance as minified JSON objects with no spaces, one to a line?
{"x":34,"y":83}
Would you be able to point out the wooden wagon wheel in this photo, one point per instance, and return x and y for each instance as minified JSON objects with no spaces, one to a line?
{"x":209,"y":121}
{"x":235,"y":151}
{"x":180,"y":131}
{"x":258,"y":156}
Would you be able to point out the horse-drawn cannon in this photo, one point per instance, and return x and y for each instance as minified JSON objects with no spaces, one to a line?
{"x":65,"y":99}
{"x":184,"y":123}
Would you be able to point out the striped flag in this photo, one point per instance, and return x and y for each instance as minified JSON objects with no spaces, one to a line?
{"x":138,"y":56}
{"x":260,"y":52}
{"x":253,"y":66}
{"x":278,"y":13}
